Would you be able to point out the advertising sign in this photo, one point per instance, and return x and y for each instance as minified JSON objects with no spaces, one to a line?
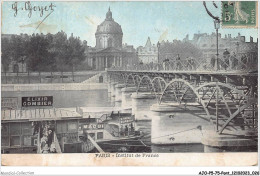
{"x":93,"y":126}
{"x":124,"y":120}
{"x":37,"y":101}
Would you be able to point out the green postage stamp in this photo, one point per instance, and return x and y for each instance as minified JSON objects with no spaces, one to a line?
{"x":239,"y":14}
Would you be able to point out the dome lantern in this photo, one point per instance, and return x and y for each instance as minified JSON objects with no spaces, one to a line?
{"x":109,"y":15}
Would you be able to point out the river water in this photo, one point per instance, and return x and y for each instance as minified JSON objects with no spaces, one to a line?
{"x":100,"y":98}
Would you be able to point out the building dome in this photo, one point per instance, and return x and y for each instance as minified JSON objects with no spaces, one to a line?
{"x":109,"y":33}
{"x":109,"y":26}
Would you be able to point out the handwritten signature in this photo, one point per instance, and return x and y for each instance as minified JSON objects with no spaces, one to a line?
{"x":27,"y":6}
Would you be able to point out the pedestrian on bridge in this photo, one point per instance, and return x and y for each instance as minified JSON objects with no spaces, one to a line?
{"x":233,"y":61}
{"x":178,"y":62}
{"x":212,"y":62}
{"x":189,"y":63}
{"x":225,"y":62}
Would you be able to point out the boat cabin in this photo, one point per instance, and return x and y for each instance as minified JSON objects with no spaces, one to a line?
{"x":63,"y":130}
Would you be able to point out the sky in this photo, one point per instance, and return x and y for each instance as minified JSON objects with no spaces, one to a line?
{"x":139,"y":20}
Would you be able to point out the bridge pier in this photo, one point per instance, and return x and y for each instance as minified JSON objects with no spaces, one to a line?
{"x":112,"y":88}
{"x":118,"y":92}
{"x":109,"y":87}
{"x":141,"y":103}
{"x":237,"y":142}
{"x":174,"y":123}
{"x":126,"y":97}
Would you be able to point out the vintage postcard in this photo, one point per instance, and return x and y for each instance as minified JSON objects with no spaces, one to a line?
{"x":131,"y":83}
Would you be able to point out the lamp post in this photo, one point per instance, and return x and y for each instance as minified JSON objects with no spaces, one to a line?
{"x":72,"y":72}
{"x":158,"y":46}
{"x":28,"y":74}
{"x":217,"y":26}
{"x":22,"y":63}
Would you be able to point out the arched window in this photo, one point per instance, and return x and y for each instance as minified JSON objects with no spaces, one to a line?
{"x":109,"y":42}
{"x":100,"y":79}
{"x":100,"y":42}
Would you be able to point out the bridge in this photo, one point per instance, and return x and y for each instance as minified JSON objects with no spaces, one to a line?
{"x":218,"y":99}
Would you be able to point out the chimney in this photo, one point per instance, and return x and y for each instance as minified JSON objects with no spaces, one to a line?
{"x":251,"y":39}
{"x":242,"y":39}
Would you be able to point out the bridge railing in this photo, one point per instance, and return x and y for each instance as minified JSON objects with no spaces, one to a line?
{"x":239,"y":62}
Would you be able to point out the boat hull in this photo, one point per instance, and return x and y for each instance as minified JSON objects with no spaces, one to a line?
{"x":133,"y":145}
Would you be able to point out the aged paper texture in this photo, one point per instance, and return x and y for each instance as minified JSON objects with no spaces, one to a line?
{"x":129,"y":83}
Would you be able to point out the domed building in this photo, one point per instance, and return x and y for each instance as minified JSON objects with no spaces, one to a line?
{"x":109,"y":50}
{"x":109,"y":33}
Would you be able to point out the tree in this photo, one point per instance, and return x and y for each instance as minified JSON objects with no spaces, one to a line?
{"x":75,"y":51}
{"x":43,"y":52}
{"x":6,"y":53}
{"x":37,"y":53}
{"x":17,"y":46}
{"x":68,"y":52}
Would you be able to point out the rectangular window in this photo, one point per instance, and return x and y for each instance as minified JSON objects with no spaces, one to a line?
{"x":62,"y":127}
{"x":5,"y":141}
{"x":72,"y":126}
{"x":100,"y":135}
{"x":15,"y":141}
{"x":5,"y":129}
{"x":27,"y":128}
{"x":15,"y":134}
{"x":35,"y":142}
{"x":27,"y":141}
{"x":15,"y":128}
{"x":59,"y":124}
{"x":5,"y":134}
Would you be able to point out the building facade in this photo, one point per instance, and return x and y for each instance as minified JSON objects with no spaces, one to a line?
{"x":109,"y":50}
{"x":148,"y":53}
{"x":207,"y":44}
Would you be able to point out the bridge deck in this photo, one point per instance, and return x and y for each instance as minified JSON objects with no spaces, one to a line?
{"x":189,"y":72}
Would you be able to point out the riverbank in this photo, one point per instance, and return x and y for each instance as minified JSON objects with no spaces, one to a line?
{"x":47,"y":77}
{"x":55,"y":86}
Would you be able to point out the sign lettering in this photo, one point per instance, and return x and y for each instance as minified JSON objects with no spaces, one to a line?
{"x":37,"y":101}
{"x":93,"y":126}
{"x":126,"y":120}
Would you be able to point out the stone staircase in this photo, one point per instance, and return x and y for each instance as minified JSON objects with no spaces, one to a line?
{"x":98,"y":78}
